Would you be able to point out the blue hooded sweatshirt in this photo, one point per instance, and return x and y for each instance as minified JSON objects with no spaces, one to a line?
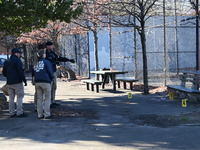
{"x":43,"y":72}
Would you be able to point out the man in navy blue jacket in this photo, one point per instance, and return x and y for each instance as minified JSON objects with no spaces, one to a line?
{"x":14,"y":73}
{"x":54,"y":59}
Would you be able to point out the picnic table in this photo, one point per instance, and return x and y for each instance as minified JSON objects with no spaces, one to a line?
{"x":108,"y":74}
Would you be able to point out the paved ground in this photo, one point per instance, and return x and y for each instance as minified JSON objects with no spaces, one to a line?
{"x":87,"y":120}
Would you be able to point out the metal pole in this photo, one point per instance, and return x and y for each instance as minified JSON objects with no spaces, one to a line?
{"x":164,"y":33}
{"x":176,"y":38}
{"x":135,"y":48}
{"x":197,"y":34}
{"x":88,"y":44}
{"x":110,"y":36}
{"x":76,"y":50}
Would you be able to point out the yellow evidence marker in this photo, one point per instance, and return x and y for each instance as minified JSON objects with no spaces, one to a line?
{"x":184,"y":102}
{"x":130,"y":95}
{"x":171,"y":95}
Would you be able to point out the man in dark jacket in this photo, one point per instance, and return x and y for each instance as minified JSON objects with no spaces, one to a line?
{"x":54,"y":59}
{"x":14,"y":73}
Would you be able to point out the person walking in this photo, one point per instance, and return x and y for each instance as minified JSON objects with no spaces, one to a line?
{"x":54,"y":59}
{"x":43,"y":73}
{"x":14,"y":73}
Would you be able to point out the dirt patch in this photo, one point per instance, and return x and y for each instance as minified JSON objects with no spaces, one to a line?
{"x":166,"y":120}
{"x":152,"y":89}
{"x":69,"y":112}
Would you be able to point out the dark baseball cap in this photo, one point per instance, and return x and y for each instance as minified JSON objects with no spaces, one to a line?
{"x":49,"y":43}
{"x":16,"y":50}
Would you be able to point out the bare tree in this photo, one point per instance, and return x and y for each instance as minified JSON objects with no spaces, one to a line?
{"x":134,"y":13}
{"x":92,"y":19}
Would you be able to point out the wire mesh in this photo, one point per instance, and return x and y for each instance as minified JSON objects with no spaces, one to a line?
{"x":76,"y":47}
{"x":170,"y":44}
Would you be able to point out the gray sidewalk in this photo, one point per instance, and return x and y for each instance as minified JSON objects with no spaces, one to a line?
{"x":87,"y":120}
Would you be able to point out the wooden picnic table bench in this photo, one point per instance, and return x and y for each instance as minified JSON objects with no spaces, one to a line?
{"x":125,"y":80}
{"x":189,"y":85}
{"x":92,"y":82}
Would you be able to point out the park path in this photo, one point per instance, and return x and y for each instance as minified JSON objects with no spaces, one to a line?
{"x":99,"y":121}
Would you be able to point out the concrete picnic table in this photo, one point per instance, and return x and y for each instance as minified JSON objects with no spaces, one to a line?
{"x":107,"y":73}
{"x":194,"y":74}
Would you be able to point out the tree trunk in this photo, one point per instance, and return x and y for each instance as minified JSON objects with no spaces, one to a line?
{"x":55,"y":41}
{"x":96,"y":59}
{"x":96,"y":50}
{"x":56,"y":45}
{"x":25,"y":58}
{"x":144,"y":55}
{"x":76,"y":39}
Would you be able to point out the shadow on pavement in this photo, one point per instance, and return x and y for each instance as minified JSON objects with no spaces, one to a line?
{"x":107,"y":120}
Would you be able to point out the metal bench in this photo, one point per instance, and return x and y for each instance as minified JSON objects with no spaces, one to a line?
{"x":125,"y":80}
{"x":92,"y":82}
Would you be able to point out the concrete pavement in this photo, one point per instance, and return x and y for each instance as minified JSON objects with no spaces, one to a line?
{"x":99,"y":121}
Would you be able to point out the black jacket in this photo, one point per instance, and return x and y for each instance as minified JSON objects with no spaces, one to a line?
{"x":43,"y":72}
{"x":13,"y":70}
{"x":54,"y":58}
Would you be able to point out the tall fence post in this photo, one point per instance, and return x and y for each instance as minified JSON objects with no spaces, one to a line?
{"x":197,"y":34}
{"x":164,"y":33}
{"x":176,"y":39}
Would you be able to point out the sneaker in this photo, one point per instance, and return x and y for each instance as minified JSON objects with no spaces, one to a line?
{"x":13,"y":116}
{"x":22,"y":115}
{"x":54,"y":105}
{"x":49,"y":117}
{"x":57,"y":104}
{"x":41,"y":117}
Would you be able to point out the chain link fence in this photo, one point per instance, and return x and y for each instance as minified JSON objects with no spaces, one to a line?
{"x":76,"y":47}
{"x":170,"y":45}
